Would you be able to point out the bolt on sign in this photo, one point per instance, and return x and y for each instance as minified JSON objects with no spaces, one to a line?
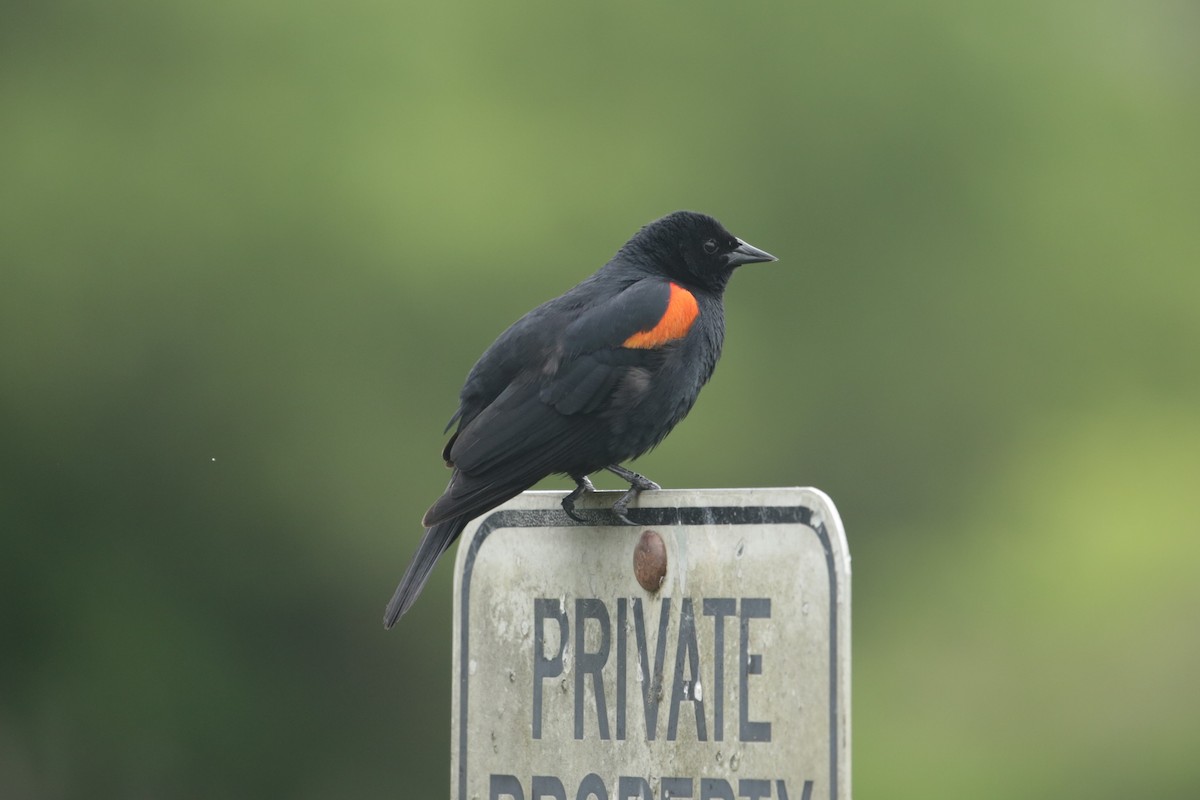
{"x":702,"y":653}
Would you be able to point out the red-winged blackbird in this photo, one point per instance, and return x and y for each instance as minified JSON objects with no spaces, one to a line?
{"x":587,"y":380}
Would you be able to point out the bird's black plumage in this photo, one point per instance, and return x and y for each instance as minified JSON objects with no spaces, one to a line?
{"x":588,"y":380}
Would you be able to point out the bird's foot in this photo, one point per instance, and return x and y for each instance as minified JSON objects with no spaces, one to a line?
{"x":583,"y":484}
{"x":637,"y":484}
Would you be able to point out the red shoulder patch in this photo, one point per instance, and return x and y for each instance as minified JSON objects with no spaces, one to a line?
{"x":682,"y":311}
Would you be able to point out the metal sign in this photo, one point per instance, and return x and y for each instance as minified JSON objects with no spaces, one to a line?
{"x":580,"y":677}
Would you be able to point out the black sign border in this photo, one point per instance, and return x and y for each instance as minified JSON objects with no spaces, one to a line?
{"x":711,"y":515}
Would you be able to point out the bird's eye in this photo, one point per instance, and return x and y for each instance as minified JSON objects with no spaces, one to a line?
{"x":710,"y":246}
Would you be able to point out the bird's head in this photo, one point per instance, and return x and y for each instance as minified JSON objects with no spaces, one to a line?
{"x":694,"y":249}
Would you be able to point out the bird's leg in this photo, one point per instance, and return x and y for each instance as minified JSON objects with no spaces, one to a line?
{"x":582,"y":484}
{"x":637,"y":483}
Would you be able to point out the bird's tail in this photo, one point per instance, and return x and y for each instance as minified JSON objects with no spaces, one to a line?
{"x":436,"y":541}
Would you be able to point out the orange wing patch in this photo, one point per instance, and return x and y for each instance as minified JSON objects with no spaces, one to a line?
{"x":676,"y":321}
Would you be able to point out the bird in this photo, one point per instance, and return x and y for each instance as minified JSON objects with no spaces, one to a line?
{"x":586,"y":381}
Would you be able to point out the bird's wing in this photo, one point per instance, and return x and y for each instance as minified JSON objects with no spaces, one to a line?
{"x":574,"y":375}
{"x":648,"y":313}
{"x":601,"y":344}
{"x":511,"y":445}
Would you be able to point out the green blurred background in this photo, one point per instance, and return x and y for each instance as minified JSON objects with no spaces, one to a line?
{"x":250,"y":250}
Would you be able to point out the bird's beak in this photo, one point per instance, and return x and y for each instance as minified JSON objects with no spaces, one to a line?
{"x":747,"y":253}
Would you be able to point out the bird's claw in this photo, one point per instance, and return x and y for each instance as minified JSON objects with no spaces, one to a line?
{"x":569,"y":507}
{"x":582,"y":485}
{"x":637,"y":483}
{"x":621,"y":507}
{"x":624,"y":519}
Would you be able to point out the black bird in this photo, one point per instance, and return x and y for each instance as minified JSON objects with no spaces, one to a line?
{"x":587,"y":380}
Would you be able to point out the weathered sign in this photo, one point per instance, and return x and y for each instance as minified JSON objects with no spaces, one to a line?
{"x":572,"y":681}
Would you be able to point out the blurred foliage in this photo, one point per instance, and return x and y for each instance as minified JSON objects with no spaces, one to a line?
{"x":251,"y":248}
